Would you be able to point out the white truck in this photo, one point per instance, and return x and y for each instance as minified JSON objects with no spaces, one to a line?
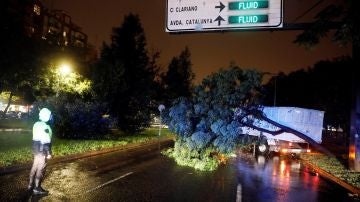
{"x":307,"y":122}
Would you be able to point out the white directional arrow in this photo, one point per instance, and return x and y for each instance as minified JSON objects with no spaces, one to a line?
{"x":203,"y":15}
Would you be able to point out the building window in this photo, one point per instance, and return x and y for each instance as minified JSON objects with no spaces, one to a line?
{"x":67,"y":20}
{"x":37,"y":9}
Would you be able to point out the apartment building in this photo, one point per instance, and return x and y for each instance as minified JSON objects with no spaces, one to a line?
{"x":55,"y":26}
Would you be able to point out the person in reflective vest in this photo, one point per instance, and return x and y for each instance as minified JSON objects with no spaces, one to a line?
{"x":41,"y":148}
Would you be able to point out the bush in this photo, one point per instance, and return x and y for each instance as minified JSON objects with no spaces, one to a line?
{"x":76,"y":119}
{"x":203,"y":160}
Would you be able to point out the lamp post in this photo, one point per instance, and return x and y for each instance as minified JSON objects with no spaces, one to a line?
{"x":160,"y":108}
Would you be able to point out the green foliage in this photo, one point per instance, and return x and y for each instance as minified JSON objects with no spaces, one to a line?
{"x":54,"y":81}
{"x":124,"y":76}
{"x":14,"y":156}
{"x":75,"y":118}
{"x":199,"y":159}
{"x":15,"y":147}
{"x":206,"y":121}
{"x":334,"y":167}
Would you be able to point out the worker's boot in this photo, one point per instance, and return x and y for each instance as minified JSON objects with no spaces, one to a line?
{"x":38,"y":189}
{"x":31,"y":184}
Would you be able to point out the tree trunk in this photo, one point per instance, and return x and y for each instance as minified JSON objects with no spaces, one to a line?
{"x":295,"y":132}
{"x":282,"y":129}
{"x":9,"y":102}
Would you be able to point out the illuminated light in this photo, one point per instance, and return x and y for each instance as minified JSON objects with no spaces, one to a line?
{"x":284,"y":150}
{"x":239,"y":193}
{"x":65,"y":69}
{"x":248,"y":19}
{"x":233,"y":155}
{"x":247,"y":5}
{"x":290,"y":143}
{"x":308,"y":150}
{"x":222,"y":158}
{"x":352,"y":154}
{"x":37,"y":9}
{"x":282,"y":168}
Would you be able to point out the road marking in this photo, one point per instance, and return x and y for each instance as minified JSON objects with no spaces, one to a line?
{"x":238,"y":193}
{"x":109,"y":182}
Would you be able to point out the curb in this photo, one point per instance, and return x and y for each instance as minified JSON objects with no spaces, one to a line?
{"x":329,"y":176}
{"x":72,"y":157}
{"x":14,"y":130}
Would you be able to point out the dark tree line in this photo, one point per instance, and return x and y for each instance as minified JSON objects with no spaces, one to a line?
{"x":177,"y":81}
{"x":125,"y":77}
{"x":325,"y":86}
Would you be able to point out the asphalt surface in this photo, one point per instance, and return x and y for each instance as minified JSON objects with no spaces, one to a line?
{"x":143,"y":174}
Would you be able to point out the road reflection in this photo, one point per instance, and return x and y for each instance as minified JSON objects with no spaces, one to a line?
{"x":153,"y":177}
{"x":279,"y":178}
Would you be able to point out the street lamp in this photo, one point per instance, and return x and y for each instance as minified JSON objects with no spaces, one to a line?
{"x":160,"y":108}
{"x":63,"y":70}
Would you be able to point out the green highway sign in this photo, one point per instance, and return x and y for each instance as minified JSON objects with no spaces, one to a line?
{"x":248,"y":19}
{"x":246,"y":5}
{"x":219,"y":15}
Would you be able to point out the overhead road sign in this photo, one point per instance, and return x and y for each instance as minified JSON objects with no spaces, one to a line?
{"x":218,"y":15}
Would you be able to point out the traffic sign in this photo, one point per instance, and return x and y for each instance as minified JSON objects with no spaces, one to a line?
{"x":212,"y":15}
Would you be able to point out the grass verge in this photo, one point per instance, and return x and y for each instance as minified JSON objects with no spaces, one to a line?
{"x":15,"y":147}
{"x":333,"y":166}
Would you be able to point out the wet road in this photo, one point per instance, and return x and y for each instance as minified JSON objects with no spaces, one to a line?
{"x":145,"y":175}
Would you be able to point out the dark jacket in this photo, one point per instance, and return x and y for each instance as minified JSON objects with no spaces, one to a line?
{"x":38,"y":148}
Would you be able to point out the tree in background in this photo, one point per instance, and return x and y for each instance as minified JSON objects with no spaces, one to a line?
{"x":178,"y":79}
{"x":204,"y":123}
{"x":26,"y":59}
{"x":125,"y":76}
{"x":20,"y":54}
{"x":346,"y":17}
{"x":325,"y":86}
{"x":343,"y":18}
{"x":29,"y":71}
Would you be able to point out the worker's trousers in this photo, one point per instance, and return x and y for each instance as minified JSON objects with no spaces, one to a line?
{"x":38,"y":169}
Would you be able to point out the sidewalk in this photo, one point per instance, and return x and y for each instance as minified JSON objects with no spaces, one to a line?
{"x":61,"y":159}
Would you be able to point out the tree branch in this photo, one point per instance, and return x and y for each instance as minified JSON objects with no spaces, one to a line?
{"x":261,"y":116}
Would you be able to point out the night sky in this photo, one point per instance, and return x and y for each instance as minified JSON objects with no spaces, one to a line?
{"x":264,"y":50}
